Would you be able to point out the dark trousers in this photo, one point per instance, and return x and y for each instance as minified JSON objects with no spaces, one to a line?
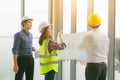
{"x":50,"y":75}
{"x":96,"y":71}
{"x":26,"y":64}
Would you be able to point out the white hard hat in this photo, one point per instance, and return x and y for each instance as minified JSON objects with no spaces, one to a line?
{"x":43,"y":25}
{"x":24,"y":18}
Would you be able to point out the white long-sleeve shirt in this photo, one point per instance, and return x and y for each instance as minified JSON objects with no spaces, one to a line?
{"x":96,"y":45}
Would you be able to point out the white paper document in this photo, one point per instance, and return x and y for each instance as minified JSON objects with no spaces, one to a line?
{"x":72,"y":50}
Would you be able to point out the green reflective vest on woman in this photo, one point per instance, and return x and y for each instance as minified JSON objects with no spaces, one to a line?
{"x":48,"y":61}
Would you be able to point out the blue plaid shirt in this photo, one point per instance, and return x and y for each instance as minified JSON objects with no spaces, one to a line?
{"x":22,"y":43}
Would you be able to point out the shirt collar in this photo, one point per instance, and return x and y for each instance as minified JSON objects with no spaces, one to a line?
{"x":25,"y":32}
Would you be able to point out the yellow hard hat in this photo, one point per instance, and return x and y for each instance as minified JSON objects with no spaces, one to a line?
{"x":94,"y":19}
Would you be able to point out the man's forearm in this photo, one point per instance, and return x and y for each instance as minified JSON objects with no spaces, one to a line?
{"x":15,"y":59}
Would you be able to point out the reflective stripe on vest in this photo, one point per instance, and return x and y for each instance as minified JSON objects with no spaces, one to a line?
{"x":46,"y":56}
{"x":52,"y":62}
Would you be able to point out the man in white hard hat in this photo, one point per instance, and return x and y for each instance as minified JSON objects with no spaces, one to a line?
{"x":22,"y":51}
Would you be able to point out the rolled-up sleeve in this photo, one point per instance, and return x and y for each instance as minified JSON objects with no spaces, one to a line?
{"x":16,"y":43}
{"x":52,"y":45}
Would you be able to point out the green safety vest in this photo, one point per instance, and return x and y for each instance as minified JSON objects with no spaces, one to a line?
{"x":48,"y":61}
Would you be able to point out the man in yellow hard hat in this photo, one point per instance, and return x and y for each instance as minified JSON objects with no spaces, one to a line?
{"x":94,"y":20}
{"x":96,"y":45}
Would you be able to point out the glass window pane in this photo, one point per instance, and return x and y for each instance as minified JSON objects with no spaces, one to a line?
{"x":66,"y":16}
{"x":117,"y":41}
{"x":10,"y":17}
{"x":66,"y":70}
{"x":102,"y":11}
{"x":81,"y":15}
{"x":10,"y":23}
{"x":38,"y":9}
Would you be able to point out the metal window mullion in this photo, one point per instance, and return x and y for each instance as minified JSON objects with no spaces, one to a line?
{"x":22,"y":14}
{"x":90,"y":9}
{"x":50,"y":11}
{"x":60,"y":28}
{"x":73,"y":16}
{"x":22,"y":9}
{"x":57,"y":18}
{"x":73,"y":30}
{"x":111,"y":34}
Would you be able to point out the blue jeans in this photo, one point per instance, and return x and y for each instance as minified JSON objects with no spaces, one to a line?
{"x":50,"y":75}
